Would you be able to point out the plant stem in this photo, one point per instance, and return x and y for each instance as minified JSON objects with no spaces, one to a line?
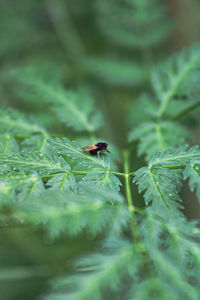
{"x":119,"y":174}
{"x":127,"y":183}
{"x":132,"y":173}
{"x":129,"y":196}
{"x":185,"y":111}
{"x":126,"y":175}
{"x":85,"y":173}
{"x":99,"y":172}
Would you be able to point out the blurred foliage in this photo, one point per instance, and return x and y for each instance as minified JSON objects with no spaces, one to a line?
{"x":93,"y":71}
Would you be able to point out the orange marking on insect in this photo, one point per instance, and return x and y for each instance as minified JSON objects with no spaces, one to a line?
{"x":89,"y":148}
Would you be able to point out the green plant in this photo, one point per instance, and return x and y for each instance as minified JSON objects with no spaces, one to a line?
{"x":149,"y":252}
{"x":133,"y":30}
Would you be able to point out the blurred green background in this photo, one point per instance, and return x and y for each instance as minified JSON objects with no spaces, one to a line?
{"x":84,"y":44}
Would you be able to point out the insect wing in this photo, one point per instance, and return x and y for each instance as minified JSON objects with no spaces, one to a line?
{"x":90,"y":148}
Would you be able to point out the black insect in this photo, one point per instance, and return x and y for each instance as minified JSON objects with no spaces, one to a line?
{"x":94,"y":149}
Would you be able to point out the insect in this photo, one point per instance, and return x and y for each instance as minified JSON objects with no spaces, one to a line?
{"x":94,"y":149}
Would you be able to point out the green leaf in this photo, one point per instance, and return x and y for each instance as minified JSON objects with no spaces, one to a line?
{"x":154,"y":136}
{"x":35,"y":143}
{"x":107,"y":180}
{"x":62,"y":182}
{"x":176,"y":158}
{"x":192,"y":172}
{"x":115,"y":72}
{"x":98,"y":274}
{"x":170,"y":281}
{"x":77,"y":110}
{"x":33,"y":161}
{"x":161,"y":186}
{"x":91,"y":210}
{"x":74,"y":109}
{"x":142,"y":23}
{"x":175,"y":263}
{"x":8,"y":144}
{"x":142,"y":110}
{"x":18,"y":185}
{"x":15,"y":123}
{"x":173,"y":77}
{"x":73,"y":149}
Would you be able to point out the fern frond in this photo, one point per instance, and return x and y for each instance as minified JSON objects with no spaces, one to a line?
{"x":34,"y":161}
{"x":175,"y":76}
{"x":8,"y":144}
{"x":62,"y":182}
{"x":142,"y":23}
{"x":107,"y":180}
{"x":152,"y":286}
{"x":166,"y":267}
{"x":78,"y":111}
{"x":92,"y":209}
{"x":115,"y":72}
{"x":179,"y":253}
{"x":142,"y":110}
{"x":182,"y":108}
{"x":161,"y":186}
{"x":75,"y":109}
{"x":180,"y":249}
{"x":36,"y":143}
{"x":154,"y":136}
{"x":99,"y":275}
{"x":15,"y":123}
{"x":160,"y":182}
{"x":169,"y":81}
{"x":176,"y":158}
{"x":167,"y":272}
{"x":15,"y":186}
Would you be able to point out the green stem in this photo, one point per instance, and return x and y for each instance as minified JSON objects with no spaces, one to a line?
{"x":185,"y":111}
{"x":129,"y":196}
{"x":85,"y":173}
{"x":132,"y":173}
{"x":127,"y":183}
{"x":119,"y":174}
{"x":126,"y":175}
